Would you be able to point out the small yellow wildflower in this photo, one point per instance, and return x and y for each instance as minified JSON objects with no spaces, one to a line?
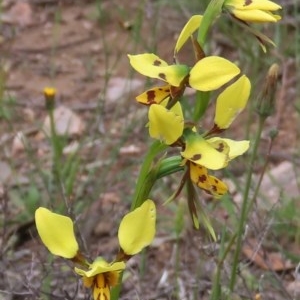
{"x":49,"y":92}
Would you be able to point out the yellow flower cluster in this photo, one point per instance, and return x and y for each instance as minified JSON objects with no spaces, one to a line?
{"x":200,"y":152}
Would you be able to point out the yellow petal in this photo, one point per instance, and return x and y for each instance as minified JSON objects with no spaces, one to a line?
{"x":199,"y":151}
{"x":56,"y":232}
{"x":210,"y":184}
{"x":154,"y":95}
{"x":165,"y":125}
{"x":253,"y":4}
{"x":100,"y":266}
{"x":150,"y":65}
{"x":255,"y":15}
{"x":190,"y":27}
{"x":219,"y":144}
{"x":137,"y":228}
{"x":236,"y":148}
{"x":212,"y":72}
{"x":176,"y":109}
{"x":231,"y":102}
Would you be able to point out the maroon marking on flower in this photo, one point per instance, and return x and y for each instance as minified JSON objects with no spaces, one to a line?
{"x":162,"y":76}
{"x":220,"y":147}
{"x":196,"y":157}
{"x":166,"y":90}
{"x":202,"y":178}
{"x":150,"y":96}
{"x":247,"y":2}
{"x":157,"y":63}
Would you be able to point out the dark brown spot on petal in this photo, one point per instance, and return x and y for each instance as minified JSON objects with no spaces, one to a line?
{"x":221,"y":147}
{"x":162,"y":76}
{"x":166,"y":90}
{"x":196,"y":157}
{"x":202,"y":178}
{"x":156,"y":63}
{"x":216,"y":180}
{"x":150,"y":96}
{"x":214,"y":188}
{"x":247,"y":2}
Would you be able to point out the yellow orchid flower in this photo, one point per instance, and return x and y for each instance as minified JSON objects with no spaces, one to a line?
{"x":253,"y":10}
{"x":101,"y":276}
{"x":208,"y":74}
{"x":136,"y":231}
{"x":202,"y":154}
{"x":158,"y":94}
{"x":213,"y":153}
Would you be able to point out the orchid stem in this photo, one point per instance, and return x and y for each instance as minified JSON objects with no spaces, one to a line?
{"x":146,"y":177}
{"x":245,"y":204}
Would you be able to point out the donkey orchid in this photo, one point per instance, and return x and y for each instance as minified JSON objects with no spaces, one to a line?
{"x":253,"y":10}
{"x":136,"y":231}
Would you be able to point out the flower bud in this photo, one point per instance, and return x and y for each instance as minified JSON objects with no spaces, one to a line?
{"x":266,"y":101}
{"x":49,"y":94}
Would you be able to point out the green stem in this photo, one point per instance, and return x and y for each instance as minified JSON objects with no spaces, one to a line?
{"x":244,"y":208}
{"x":145,"y":180}
{"x":223,"y":252}
{"x":216,"y":288}
{"x":56,"y":147}
{"x":212,"y":11}
{"x":201,"y":103}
